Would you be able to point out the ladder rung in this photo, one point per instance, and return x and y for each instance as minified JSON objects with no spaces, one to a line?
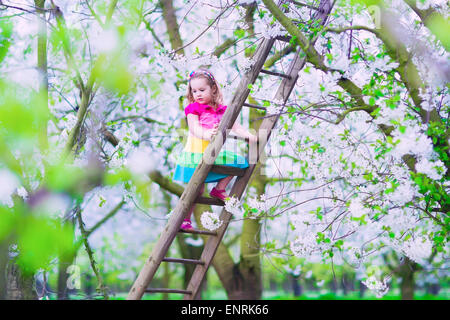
{"x":253,"y":106}
{"x":200,"y":232}
{"x":283,"y":38}
{"x":178,"y":260}
{"x":165,"y":290}
{"x":209,"y":201}
{"x":276,"y":74}
{"x":229,"y":170}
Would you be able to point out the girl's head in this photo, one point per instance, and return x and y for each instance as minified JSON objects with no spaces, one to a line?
{"x":203,"y":88}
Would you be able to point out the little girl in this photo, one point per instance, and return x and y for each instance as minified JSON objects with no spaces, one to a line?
{"x":203,"y":116}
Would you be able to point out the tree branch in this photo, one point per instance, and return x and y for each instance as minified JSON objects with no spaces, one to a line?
{"x":111,"y":214}
{"x":434,"y":21}
{"x":111,"y":9}
{"x":101,"y":287}
{"x":358,"y":28}
{"x":204,"y":31}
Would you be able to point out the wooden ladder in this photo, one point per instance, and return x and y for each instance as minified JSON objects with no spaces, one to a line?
{"x":191,"y":192}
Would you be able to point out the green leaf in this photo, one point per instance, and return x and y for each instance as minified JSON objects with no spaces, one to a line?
{"x":8,"y":220}
{"x":113,"y":72}
{"x":23,"y":115}
{"x":239,"y":33}
{"x":40,"y":240}
{"x":6,"y":28}
{"x":440,"y":26}
{"x":119,"y":175}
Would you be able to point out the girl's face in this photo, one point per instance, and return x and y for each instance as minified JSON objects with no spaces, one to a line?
{"x":201,"y":90}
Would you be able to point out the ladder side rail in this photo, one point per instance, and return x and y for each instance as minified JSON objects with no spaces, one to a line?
{"x":239,"y":186}
{"x":268,"y":124}
{"x":191,"y":191}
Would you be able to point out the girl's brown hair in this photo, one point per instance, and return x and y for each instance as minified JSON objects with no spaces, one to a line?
{"x":217,"y":97}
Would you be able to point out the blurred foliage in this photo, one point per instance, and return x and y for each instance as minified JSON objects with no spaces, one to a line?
{"x":39,"y":239}
{"x":23,"y":116}
{"x":6,"y":28}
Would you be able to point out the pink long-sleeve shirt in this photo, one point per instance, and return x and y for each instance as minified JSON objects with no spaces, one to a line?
{"x":207,"y":116}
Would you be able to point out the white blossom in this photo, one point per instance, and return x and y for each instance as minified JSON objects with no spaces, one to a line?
{"x":424,"y":4}
{"x":105,"y":41}
{"x":427,"y":101}
{"x":304,"y":245}
{"x":417,"y":249}
{"x":210,"y":220}
{"x":140,"y":161}
{"x":380,"y":288}
{"x":272,"y":28}
{"x":308,"y":274}
{"x":295,"y":272}
{"x":54,"y":205}
{"x":320,"y":283}
{"x":399,"y":220}
{"x":259,"y":205}
{"x":434,"y":170}
{"x":243,"y":2}
{"x":403,"y":193}
{"x":357,"y":208}
{"x":9,"y":183}
{"x":246,"y":64}
{"x":274,"y":108}
{"x":411,"y":141}
{"x":232,"y":205}
{"x":352,"y":255}
{"x":22,"y":192}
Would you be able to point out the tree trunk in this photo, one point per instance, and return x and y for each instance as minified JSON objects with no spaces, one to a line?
{"x":433,"y":288}
{"x":296,"y":286}
{"x":333,"y":286}
{"x":362,"y":289}
{"x":406,"y":273}
{"x":65,"y":260}
{"x":42,"y":64}
{"x":347,"y":283}
{"x":4,"y":257}
{"x":247,"y":282}
{"x":172,"y":25}
{"x":19,"y":286}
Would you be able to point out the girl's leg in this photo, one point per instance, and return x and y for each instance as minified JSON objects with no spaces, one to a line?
{"x":219,"y":190}
{"x":222,"y":184}
{"x":187,"y":223}
{"x":188,"y":216}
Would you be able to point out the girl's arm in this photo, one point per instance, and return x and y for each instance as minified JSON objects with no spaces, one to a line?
{"x":197,"y":130}
{"x":244,"y":133}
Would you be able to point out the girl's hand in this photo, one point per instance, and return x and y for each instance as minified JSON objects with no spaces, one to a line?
{"x":212,"y":132}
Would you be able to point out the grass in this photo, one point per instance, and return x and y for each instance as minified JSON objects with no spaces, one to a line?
{"x":393,"y":294}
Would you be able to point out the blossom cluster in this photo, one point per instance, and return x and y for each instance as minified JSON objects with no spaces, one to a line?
{"x":210,"y":220}
{"x":380,"y":288}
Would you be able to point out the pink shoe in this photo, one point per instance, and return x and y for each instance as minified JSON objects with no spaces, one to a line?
{"x":186,"y":225}
{"x":219,"y":194}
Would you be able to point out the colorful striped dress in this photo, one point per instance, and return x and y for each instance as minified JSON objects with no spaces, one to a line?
{"x":193,"y":151}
